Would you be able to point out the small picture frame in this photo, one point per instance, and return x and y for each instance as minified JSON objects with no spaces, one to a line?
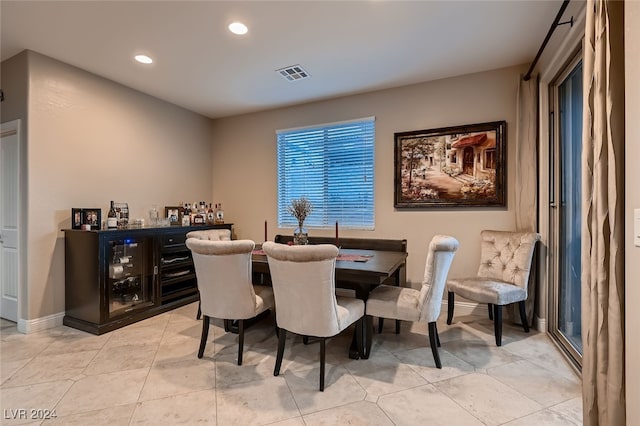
{"x":76,"y":218}
{"x":91,"y":216}
{"x":174,"y":214}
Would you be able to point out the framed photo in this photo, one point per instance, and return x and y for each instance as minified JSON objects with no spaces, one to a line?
{"x":86,"y":216}
{"x":460,"y":166}
{"x":92,"y":216}
{"x":174,"y":214}
{"x":76,"y":218}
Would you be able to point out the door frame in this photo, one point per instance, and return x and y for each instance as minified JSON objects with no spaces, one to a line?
{"x":7,"y":129}
{"x":554,"y":212}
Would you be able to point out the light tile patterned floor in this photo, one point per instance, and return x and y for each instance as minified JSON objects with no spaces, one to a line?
{"x":148,"y":373}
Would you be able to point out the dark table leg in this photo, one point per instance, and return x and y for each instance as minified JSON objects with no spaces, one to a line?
{"x":362,"y":293}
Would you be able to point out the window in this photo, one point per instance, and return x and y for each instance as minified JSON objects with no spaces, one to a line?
{"x":331,"y":165}
{"x":490,"y":159}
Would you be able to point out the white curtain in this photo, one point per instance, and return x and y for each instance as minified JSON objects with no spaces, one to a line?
{"x":603,"y":216}
{"x":526,"y":177}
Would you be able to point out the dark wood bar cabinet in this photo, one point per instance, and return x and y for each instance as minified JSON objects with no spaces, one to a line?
{"x":117,"y":277}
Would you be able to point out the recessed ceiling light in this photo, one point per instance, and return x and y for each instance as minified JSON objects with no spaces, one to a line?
{"x":143,"y":59}
{"x":238,"y":28}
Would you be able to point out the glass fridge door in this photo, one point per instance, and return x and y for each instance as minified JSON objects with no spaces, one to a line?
{"x":130,"y":275}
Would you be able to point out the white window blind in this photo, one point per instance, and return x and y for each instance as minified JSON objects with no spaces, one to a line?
{"x":332,"y":166}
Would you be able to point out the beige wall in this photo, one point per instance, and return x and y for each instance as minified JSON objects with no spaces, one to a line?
{"x":632,"y":201}
{"x":14,"y":83}
{"x":91,"y":141}
{"x":244,"y":165}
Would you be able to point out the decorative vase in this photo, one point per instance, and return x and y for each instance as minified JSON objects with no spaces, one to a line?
{"x":300,"y":236}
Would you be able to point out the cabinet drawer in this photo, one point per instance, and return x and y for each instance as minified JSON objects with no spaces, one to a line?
{"x":173,"y":240}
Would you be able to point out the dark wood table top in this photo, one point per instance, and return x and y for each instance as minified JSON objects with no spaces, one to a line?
{"x":379,"y":266}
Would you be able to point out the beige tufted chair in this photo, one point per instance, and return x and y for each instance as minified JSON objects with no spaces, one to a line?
{"x":409,"y":304}
{"x":223,"y":270}
{"x":303,"y":279}
{"x":211,"y":235}
{"x":503,"y":276}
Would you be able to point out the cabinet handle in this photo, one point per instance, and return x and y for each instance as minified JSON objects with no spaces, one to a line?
{"x":155,"y":270}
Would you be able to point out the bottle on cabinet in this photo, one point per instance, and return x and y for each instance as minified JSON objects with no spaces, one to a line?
{"x":219,"y":220}
{"x":112,"y":218}
{"x":211,"y":216}
{"x":186,"y":216}
{"x":200,"y":215}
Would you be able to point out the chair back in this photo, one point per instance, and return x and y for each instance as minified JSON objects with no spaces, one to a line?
{"x":223,"y":270}
{"x":303,"y":280}
{"x":211,"y":234}
{"x":506,"y":256}
{"x":439,"y":257}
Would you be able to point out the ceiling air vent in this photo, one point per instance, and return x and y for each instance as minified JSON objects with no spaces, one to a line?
{"x":293,"y":72}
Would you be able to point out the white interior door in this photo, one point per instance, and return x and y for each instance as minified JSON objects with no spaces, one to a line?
{"x":9,"y":220}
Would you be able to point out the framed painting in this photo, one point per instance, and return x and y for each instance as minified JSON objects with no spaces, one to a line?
{"x":460,"y":166}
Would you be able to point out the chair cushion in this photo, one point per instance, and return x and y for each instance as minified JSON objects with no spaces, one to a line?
{"x":264,"y":298}
{"x":349,"y":311}
{"x":394,"y":302}
{"x":486,"y":290}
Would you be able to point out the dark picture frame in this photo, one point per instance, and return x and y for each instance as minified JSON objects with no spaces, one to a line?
{"x":76,"y":218}
{"x":86,"y":216}
{"x":174,"y":214}
{"x":458,"y":166}
{"x":92,"y":216}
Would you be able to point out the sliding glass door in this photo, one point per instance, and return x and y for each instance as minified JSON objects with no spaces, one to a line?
{"x":565,"y":211}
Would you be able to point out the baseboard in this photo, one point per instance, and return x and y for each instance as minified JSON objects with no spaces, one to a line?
{"x":39,"y":324}
{"x":471,"y":308}
{"x":540,"y":324}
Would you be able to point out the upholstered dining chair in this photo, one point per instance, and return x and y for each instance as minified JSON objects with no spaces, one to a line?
{"x":503,"y":276}
{"x":213,"y":235}
{"x":408,"y":304}
{"x":303,"y":279}
{"x":223,"y":271}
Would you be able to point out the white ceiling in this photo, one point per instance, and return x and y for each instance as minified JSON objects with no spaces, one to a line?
{"x":347,"y":46}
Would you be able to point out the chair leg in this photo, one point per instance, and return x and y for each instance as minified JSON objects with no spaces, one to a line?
{"x":433,"y":338}
{"x":450,"y":302}
{"x":305,"y":340}
{"x":497,"y":323}
{"x":438,"y":338}
{"x":490,"y":306}
{"x":322,"y":355}
{"x":282,"y":337}
{"x":205,"y":335}
{"x":397,"y":326}
{"x":199,"y":314}
{"x":360,"y":337}
{"x":240,"y":340}
{"x":380,"y":324}
{"x":368,"y":331}
{"x":523,"y":316}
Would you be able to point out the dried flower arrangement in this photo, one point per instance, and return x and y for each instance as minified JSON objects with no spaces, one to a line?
{"x":300,"y":208}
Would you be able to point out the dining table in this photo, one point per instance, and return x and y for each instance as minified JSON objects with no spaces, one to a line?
{"x":357,"y":269}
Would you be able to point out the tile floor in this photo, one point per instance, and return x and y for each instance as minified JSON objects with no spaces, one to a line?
{"x":148,"y":373}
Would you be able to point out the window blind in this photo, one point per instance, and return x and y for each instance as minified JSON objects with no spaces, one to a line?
{"x":332,"y":166}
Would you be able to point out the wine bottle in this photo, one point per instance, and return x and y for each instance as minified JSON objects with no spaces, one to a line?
{"x":186,"y":215}
{"x":112,"y":219}
{"x":219,"y":215}
{"x":211,"y":217}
